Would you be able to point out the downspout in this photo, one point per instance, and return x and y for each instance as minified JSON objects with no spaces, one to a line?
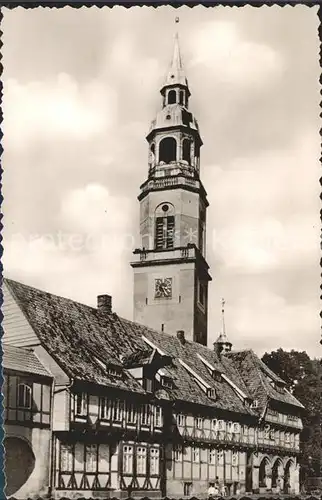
{"x":51,"y":451}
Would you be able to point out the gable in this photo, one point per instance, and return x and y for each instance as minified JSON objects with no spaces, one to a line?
{"x":17,"y":331}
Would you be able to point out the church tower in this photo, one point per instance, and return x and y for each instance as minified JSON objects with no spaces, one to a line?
{"x":170,"y":272}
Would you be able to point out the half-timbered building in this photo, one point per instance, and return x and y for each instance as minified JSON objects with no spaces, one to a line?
{"x":27,"y":399}
{"x":138,"y":411}
{"x":151,"y":410}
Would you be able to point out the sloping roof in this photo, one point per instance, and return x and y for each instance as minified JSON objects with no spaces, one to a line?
{"x":253,"y":372}
{"x":22,"y":360}
{"x":74,"y":334}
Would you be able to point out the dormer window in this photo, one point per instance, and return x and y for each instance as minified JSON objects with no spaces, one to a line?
{"x":254,"y":404}
{"x":211,"y":393}
{"x":167,"y":382}
{"x":114,"y":372}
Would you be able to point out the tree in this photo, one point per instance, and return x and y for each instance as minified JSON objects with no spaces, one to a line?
{"x":303,"y":378}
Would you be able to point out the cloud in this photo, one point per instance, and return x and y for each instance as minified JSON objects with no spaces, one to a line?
{"x":264,"y":319}
{"x":93,"y":209}
{"x":56,"y":108}
{"x":220,"y":47}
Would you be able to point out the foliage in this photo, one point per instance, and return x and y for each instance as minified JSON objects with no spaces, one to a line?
{"x":303,"y":378}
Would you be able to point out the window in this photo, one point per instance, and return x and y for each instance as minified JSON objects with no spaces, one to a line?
{"x":211,"y":393}
{"x":236,"y":428}
{"x":131,"y":413}
{"x":235,"y":458}
{"x":141,"y":460}
{"x":127,"y":459}
{"x":214,"y":425}
{"x":148,"y":384}
{"x":24,"y":396}
{"x":186,"y":151}
{"x":254,"y":404}
{"x":105,"y":411}
{"x":220,"y":457}
{"x":178,"y":454}
{"x":91,"y":458}
{"x":158,"y":416}
{"x":198,"y":422}
{"x":66,"y":458}
{"x":114,"y":372}
{"x":172,"y":97}
{"x":154,"y":461}
{"x":118,"y":410}
{"x":181,"y":420}
{"x":168,"y":150}
{"x":229,"y":427}
{"x":167,"y":382}
{"x":81,"y":404}
{"x":212,"y":456}
{"x":181,"y":97}
{"x":164,"y":232}
{"x":186,"y":117}
{"x":195,"y":454}
{"x":187,"y":487}
{"x":145,"y":415}
{"x":287,"y":437}
{"x":221,"y":425}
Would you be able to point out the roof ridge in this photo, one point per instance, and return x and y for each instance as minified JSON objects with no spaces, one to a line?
{"x":10,"y":282}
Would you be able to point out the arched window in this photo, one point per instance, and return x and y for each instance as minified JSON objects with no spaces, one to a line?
{"x":164,"y":226}
{"x":172,"y":97}
{"x":263,"y":470}
{"x":168,"y":150}
{"x":24,"y":396}
{"x":152,"y":154}
{"x":186,"y":150}
{"x":181,"y":97}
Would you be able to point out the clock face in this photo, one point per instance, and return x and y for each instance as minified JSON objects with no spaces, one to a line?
{"x":163,"y":288}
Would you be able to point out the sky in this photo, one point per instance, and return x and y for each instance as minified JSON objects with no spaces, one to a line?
{"x":81,"y":87}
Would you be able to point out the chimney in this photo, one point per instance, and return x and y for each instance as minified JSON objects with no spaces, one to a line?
{"x":104,"y":304}
{"x":181,"y":337}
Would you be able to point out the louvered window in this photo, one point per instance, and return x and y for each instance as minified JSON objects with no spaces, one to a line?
{"x":164,"y":232}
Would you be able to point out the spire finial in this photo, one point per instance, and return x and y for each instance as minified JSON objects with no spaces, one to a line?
{"x":176,"y":74}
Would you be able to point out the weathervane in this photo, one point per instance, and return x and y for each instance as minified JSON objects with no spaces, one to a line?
{"x":223,"y":302}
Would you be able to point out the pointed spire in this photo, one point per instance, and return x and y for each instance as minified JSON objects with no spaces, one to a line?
{"x":176,"y":74}
{"x":223,"y":339}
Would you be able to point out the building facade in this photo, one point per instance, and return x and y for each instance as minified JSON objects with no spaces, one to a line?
{"x":145,"y":408}
{"x":136,"y":411}
{"x":27,"y":393}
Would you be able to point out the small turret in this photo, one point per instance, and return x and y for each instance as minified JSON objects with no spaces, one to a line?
{"x":222,"y":344}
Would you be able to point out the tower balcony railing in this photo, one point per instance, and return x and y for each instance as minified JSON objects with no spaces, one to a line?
{"x":186,"y":252}
{"x":170,"y":181}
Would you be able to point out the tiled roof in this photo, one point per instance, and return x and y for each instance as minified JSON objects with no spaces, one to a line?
{"x":22,"y":360}
{"x":74,"y":334}
{"x":253,"y":372}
